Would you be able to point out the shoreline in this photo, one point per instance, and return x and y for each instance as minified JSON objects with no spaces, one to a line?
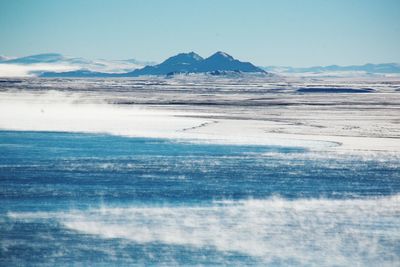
{"x":181,"y":126}
{"x":230,"y":111}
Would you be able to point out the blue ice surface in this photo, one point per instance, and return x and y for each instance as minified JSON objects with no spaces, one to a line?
{"x":45,"y":168}
{"x":55,"y":171}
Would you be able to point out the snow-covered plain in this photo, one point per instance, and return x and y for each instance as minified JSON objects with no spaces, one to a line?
{"x":248,"y":109}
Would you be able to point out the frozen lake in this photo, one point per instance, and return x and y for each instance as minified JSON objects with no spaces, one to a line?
{"x":109,"y":200}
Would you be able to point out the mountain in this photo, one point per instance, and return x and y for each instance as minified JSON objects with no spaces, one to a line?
{"x":40,"y":58}
{"x":219,"y":62}
{"x":78,"y":74}
{"x":182,"y":62}
{"x":384,"y":68}
{"x":193,"y":63}
{"x":3,"y":58}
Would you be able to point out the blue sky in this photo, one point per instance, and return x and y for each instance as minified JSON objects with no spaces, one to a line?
{"x":279,"y":32}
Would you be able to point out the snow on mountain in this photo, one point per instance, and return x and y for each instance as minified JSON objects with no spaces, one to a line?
{"x":193,"y":63}
{"x":221,"y":61}
{"x":182,"y":62}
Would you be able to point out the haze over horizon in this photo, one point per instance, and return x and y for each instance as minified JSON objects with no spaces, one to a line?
{"x":284,"y":33}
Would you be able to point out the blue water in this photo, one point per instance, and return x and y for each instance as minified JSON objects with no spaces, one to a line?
{"x":91,"y":199}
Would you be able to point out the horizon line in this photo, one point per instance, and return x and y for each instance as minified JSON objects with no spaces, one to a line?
{"x":7,"y":57}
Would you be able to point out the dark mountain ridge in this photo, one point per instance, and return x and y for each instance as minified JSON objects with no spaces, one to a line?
{"x":181,"y":63}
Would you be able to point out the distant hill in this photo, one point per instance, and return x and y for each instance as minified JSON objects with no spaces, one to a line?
{"x":3,"y":58}
{"x":53,"y":62}
{"x":182,"y":63}
{"x":78,"y":74}
{"x":367,"y":68}
{"x":40,"y":58}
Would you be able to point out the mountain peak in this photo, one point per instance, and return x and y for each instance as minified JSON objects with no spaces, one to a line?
{"x":183,"y":58}
{"x":221,"y":55}
{"x":221,"y":61}
{"x":194,"y":55}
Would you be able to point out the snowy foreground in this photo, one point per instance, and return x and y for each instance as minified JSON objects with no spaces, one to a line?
{"x":338,"y":114}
